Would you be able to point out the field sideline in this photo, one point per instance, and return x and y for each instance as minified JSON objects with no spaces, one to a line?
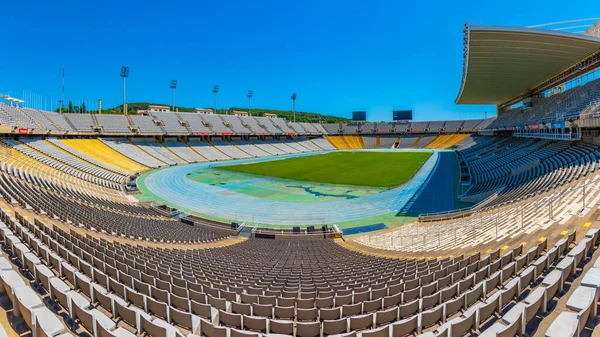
{"x":376,"y":169}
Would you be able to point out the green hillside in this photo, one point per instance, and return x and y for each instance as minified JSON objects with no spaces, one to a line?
{"x":301,"y":116}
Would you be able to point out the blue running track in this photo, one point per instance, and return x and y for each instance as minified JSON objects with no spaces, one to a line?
{"x":172,"y":185}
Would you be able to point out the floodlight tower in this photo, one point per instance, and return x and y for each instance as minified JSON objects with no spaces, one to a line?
{"x":249,"y":95}
{"x":215,"y":91}
{"x":294,"y":95}
{"x":124,"y":74}
{"x":173,"y":86}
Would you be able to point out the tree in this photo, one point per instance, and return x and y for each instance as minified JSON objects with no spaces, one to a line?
{"x":70,"y":106}
{"x":83,"y":109}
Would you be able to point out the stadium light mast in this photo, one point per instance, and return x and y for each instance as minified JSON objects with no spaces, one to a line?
{"x":294,"y":95}
{"x":124,"y":74}
{"x":173,"y":86}
{"x":215,"y":91}
{"x":249,"y":95}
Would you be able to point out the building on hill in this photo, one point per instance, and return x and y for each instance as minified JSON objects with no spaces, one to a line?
{"x":268,"y":115}
{"x":239,"y":113}
{"x":153,"y":108}
{"x":204,"y":111}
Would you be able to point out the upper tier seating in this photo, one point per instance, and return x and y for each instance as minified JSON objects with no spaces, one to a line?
{"x":146,"y":124}
{"x":235,"y":124}
{"x":196,"y":124}
{"x":171,"y":122}
{"x":566,"y":105}
{"x":114,"y":123}
{"x":81,"y":122}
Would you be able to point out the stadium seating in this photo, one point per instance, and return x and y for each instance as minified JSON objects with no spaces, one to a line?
{"x":142,"y":282}
{"x":97,"y":150}
{"x":515,"y":168}
{"x":346,"y":142}
{"x":123,"y":289}
{"x":446,"y":141}
{"x":128,"y":149}
{"x":158,"y":151}
{"x":569,"y":104}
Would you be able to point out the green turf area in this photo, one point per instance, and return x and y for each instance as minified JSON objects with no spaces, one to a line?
{"x":376,"y":169}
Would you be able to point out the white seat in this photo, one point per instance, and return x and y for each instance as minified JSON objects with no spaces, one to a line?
{"x":493,"y":330}
{"x":567,"y":263}
{"x":5,"y":264}
{"x":121,"y":332}
{"x":26,"y":301}
{"x":77,"y":299}
{"x":10,"y":280}
{"x":592,"y":278}
{"x":514,"y":313}
{"x":47,"y":324}
{"x":565,"y":325}
{"x":582,"y":298}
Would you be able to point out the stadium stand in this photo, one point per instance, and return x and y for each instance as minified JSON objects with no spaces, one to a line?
{"x":249,"y":148}
{"x":294,"y":145}
{"x":436,"y":127}
{"x":568,"y":104}
{"x":418,"y":127}
{"x":127,"y":149}
{"x":370,"y":142}
{"x":117,"y":124}
{"x":206,"y":150}
{"x":281,"y":125}
{"x":48,"y":148}
{"x":267,"y":125}
{"x":80,"y":122}
{"x":99,"y":151}
{"x":196,"y":124}
{"x":514,"y":168}
{"x":346,"y":142}
{"x":230,"y":150}
{"x":266,"y":147}
{"x":283,"y":146}
{"x":158,"y":151}
{"x":146,"y":125}
{"x":460,"y":294}
{"x":171,"y":123}
{"x":183,"y":151}
{"x":307,"y":143}
{"x":216,"y":124}
{"x":255,"y":127}
{"x":323,"y":143}
{"x":407,"y":141}
{"x":387,"y":141}
{"x":446,"y":141}
{"x":453,"y":126}
{"x":235,"y":124}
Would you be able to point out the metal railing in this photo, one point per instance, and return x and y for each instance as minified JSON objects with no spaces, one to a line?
{"x":486,"y":225}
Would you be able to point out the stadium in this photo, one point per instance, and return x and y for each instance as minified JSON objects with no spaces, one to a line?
{"x":167,"y":223}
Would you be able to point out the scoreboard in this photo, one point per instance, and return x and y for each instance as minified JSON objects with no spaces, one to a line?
{"x":404,"y":115}
{"x":359,"y":116}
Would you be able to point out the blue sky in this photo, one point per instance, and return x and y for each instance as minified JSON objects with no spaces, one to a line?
{"x":339,"y":56}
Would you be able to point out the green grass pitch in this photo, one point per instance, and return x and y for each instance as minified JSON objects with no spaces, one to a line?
{"x":376,"y":169}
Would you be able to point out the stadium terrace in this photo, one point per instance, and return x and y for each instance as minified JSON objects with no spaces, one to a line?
{"x":176,"y":224}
